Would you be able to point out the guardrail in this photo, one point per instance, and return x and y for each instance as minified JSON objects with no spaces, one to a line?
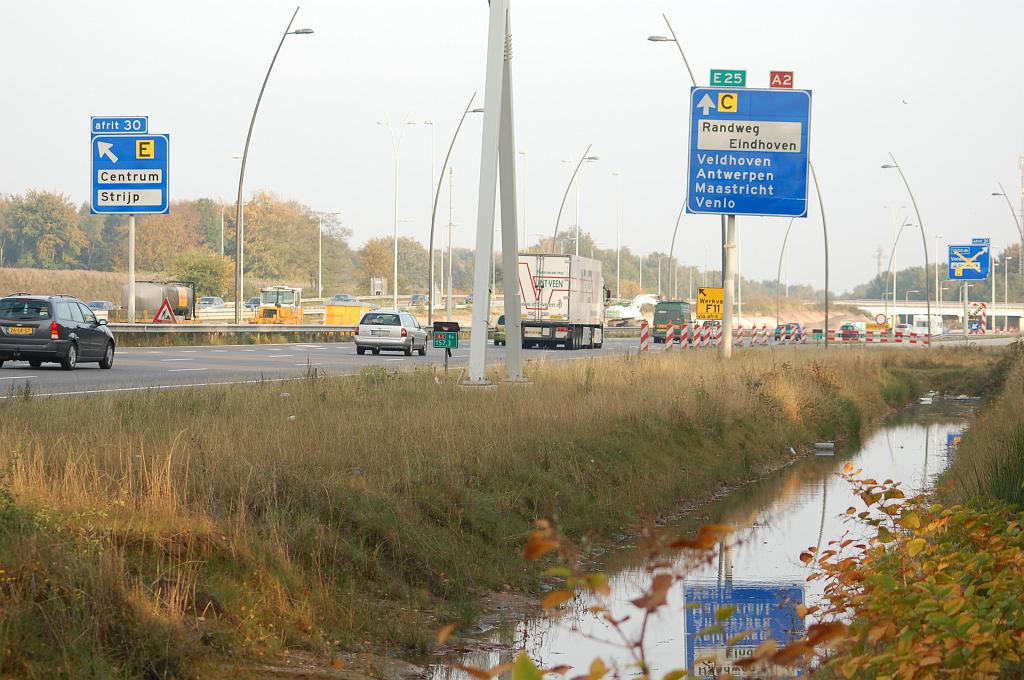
{"x":173,"y":329}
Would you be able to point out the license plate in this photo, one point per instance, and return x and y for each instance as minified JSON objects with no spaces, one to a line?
{"x":20,"y":331}
{"x":532,"y":332}
{"x":379,"y":333}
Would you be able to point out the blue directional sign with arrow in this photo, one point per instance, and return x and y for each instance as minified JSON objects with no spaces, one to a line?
{"x":749,"y":151}
{"x":970,"y":263}
{"x":129,"y":173}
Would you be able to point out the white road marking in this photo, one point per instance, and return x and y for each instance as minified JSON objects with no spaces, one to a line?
{"x":181,"y":370}
{"x":279,"y":356}
{"x":395,"y":359}
{"x":220,"y":351}
{"x":317,"y":364}
{"x":248,"y":350}
{"x":19,"y":377}
{"x":187,"y":359}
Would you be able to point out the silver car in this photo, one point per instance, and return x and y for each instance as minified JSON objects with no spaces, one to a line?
{"x":391,"y":330}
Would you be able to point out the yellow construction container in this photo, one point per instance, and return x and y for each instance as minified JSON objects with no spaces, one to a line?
{"x":345,"y":313}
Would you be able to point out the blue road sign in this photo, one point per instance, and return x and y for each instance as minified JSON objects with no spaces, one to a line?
{"x":764,"y":611}
{"x":970,"y":263}
{"x":749,"y":151}
{"x":120,"y":125}
{"x":129,"y":173}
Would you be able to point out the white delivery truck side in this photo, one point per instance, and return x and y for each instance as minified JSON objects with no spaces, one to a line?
{"x":563,"y":299}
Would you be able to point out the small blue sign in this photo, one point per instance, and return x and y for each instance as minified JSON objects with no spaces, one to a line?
{"x":953,"y":439}
{"x":767,"y":611}
{"x":970,"y":263}
{"x":119,"y":125}
{"x":749,"y":152}
{"x":129,"y":174}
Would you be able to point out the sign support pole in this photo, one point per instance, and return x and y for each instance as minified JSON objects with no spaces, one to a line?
{"x":967,"y":322}
{"x":131,"y":269}
{"x":509,"y":218}
{"x":729,"y":285}
{"x":497,"y":35}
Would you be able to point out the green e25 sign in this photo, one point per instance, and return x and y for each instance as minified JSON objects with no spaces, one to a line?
{"x":721,"y":77}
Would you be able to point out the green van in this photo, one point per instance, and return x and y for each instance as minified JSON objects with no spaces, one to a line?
{"x":676,"y":312}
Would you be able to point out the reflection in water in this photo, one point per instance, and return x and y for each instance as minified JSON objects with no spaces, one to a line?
{"x":766,"y":611}
{"x":775,"y":519}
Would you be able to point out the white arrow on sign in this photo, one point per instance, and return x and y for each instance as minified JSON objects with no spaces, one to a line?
{"x":104,"y":150}
{"x":706,"y":104}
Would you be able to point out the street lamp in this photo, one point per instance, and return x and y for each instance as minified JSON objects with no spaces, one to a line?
{"x":892,"y":268}
{"x":938,"y":290}
{"x":1016,"y":220}
{"x":240,"y":210}
{"x":396,"y":145}
{"x":523,"y":175}
{"x":924,"y":239}
{"x":618,"y":278}
{"x":1006,"y":292}
{"x":433,"y":212}
{"x":585,"y":157}
{"x":320,"y":253}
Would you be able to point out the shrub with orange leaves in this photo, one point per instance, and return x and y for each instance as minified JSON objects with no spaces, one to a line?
{"x":933,"y":592}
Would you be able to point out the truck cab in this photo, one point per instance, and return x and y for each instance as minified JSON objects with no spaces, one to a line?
{"x":280,"y":305}
{"x":676,"y":312}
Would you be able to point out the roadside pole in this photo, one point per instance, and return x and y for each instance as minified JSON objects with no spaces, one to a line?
{"x":491,"y":142}
{"x":131,"y":269}
{"x":510,"y":220}
{"x":966,"y":293}
{"x":729,"y":284}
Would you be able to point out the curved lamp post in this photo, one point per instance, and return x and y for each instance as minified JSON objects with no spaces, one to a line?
{"x":1002,"y":192}
{"x":924,"y":240}
{"x":778,"y":276}
{"x":585,"y":157}
{"x":892,"y":260}
{"x":239,"y":209}
{"x":433,"y":212}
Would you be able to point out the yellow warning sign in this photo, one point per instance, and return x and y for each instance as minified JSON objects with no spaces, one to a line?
{"x":728,"y":101}
{"x":145,"y":149}
{"x":710,"y":302}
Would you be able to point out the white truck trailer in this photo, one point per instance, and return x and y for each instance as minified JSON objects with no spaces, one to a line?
{"x":563,"y":298}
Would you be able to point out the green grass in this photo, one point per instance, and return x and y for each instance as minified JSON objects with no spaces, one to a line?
{"x":990,"y":459}
{"x":152,"y":534}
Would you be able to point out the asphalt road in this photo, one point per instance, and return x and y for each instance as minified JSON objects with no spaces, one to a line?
{"x":138,"y":368}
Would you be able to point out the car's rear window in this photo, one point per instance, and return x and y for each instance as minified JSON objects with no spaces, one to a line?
{"x":14,"y":309}
{"x":379,"y":319}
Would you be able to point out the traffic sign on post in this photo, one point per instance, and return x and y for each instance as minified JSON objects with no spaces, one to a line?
{"x":749,"y":152}
{"x":129,"y":173}
{"x":710,"y":304}
{"x":970,"y":263}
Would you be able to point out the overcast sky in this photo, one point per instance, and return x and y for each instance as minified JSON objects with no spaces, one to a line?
{"x":938,"y":83}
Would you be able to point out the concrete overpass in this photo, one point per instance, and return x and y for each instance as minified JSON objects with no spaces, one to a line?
{"x":950,"y":311}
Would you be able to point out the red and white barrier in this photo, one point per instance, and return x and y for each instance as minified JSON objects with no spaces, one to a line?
{"x":670,"y":336}
{"x":645,"y":336}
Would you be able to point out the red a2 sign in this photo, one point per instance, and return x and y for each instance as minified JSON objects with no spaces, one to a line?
{"x":781,"y":79}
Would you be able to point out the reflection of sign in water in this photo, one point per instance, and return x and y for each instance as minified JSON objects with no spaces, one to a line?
{"x":767,"y":610}
{"x":953,"y":439}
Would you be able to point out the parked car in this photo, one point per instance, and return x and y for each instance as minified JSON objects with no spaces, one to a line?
{"x":340,"y":297}
{"x":102,"y":306}
{"x":53,"y":328}
{"x":392,"y":330}
{"x":252,"y":303}
{"x":418,"y":300}
{"x":499,"y":331}
{"x":210,"y":302}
